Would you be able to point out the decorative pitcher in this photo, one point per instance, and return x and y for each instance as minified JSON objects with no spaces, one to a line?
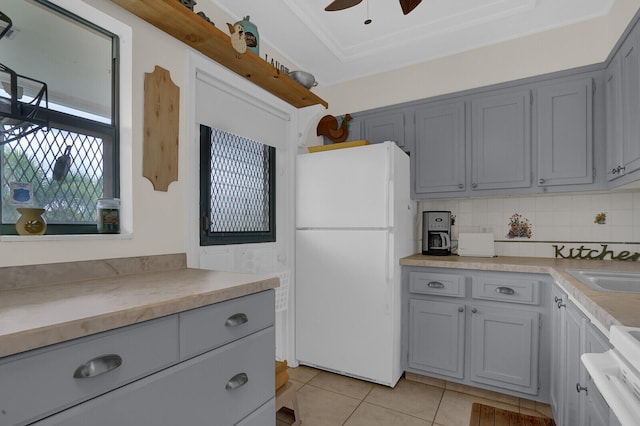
{"x":250,"y":34}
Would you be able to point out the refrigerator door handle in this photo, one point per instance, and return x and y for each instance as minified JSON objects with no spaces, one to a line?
{"x":389,"y":180}
{"x":389,"y":271}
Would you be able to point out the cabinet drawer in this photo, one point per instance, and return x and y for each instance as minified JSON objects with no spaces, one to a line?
{"x":212,"y":326}
{"x":40,"y":382}
{"x":263,"y":416}
{"x":437,"y":284}
{"x":195,"y":392}
{"x":514,"y":290}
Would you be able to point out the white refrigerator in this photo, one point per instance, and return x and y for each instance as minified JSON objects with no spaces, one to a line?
{"x":354,"y":221}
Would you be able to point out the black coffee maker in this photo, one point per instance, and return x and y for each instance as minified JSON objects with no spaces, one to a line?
{"x":436,"y":233}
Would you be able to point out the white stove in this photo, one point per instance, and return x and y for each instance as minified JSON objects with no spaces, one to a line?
{"x":616,"y":373}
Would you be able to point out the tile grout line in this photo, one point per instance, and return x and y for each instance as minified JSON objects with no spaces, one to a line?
{"x":357,"y":406}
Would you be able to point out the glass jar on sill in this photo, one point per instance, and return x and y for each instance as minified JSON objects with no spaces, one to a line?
{"x":108,"y":220}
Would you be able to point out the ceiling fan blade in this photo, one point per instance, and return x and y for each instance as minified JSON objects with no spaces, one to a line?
{"x":341,"y":5}
{"x":409,"y":5}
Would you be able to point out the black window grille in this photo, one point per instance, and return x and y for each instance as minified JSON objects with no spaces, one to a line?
{"x":89,"y":139}
{"x":237,"y":189}
{"x":70,"y":199}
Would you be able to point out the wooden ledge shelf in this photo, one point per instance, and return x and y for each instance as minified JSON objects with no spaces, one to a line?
{"x":178,"y":21}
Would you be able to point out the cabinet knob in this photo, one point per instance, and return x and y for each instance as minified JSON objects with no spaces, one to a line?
{"x":556,"y":299}
{"x":461,"y":186}
{"x":505,"y":290}
{"x":560,"y":304}
{"x":237,"y":381}
{"x":474,"y":185}
{"x":236,"y":320}
{"x":541,"y":181}
{"x":581,"y":388}
{"x":460,"y":309}
{"x":97,"y":366}
{"x":474,"y":310}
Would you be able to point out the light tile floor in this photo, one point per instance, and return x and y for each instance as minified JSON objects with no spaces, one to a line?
{"x":327,"y":399}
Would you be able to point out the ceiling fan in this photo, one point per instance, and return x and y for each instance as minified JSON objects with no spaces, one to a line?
{"x":407,"y":5}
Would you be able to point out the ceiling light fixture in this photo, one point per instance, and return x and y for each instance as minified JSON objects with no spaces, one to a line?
{"x":367,"y":21}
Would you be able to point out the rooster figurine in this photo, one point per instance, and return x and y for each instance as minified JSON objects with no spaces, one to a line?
{"x":237,"y":39}
{"x":328,"y":126}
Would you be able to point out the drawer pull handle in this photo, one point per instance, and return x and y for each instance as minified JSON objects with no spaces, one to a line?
{"x":98,"y":366}
{"x":435,"y":284}
{"x":236,"y":320}
{"x":237,"y":381}
{"x":505,"y":290}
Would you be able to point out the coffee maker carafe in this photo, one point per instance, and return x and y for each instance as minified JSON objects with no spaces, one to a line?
{"x":436,"y":233}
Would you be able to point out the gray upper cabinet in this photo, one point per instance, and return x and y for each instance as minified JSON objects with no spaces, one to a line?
{"x":438,"y":162}
{"x":629,"y":155}
{"x":613,"y":117}
{"x":565,"y":133}
{"x":501,"y":140}
{"x":388,"y":126}
{"x":630,"y":67}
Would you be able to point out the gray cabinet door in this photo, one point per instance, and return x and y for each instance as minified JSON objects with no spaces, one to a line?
{"x":504,"y":348}
{"x":630,"y":64}
{"x":557,"y":354}
{"x":439,"y":160}
{"x":613,"y":117}
{"x":565,"y":136}
{"x":501,"y":141}
{"x":388,"y":126}
{"x":572,"y":326}
{"x":436,"y":337}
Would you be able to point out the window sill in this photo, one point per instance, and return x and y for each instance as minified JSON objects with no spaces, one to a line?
{"x":70,"y":237}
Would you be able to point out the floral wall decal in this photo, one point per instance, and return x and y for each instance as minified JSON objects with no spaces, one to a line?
{"x":519,"y":227}
{"x":601,"y":218}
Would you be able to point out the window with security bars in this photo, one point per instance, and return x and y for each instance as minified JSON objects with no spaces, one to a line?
{"x":237,"y":189}
{"x":74,"y":161}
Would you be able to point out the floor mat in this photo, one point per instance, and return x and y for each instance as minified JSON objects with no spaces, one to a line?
{"x":485,"y":415}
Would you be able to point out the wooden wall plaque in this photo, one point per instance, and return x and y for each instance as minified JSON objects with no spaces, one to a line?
{"x":161,"y":128}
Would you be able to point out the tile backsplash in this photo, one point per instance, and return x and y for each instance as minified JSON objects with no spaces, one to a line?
{"x":559,"y":218}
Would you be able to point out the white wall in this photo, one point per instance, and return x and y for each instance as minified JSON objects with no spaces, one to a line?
{"x":563,"y":218}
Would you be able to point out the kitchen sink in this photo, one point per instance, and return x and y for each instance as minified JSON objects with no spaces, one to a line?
{"x":626,"y":282}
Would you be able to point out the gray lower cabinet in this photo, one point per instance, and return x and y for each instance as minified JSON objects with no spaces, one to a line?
{"x":504,"y":347}
{"x":438,"y":162}
{"x":211,"y":365}
{"x":574,"y":398}
{"x":484,"y":329}
{"x":501,"y":140}
{"x":433,"y":321}
{"x":565,"y":133}
{"x":219,"y":387}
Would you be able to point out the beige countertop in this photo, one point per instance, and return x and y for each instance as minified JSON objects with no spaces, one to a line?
{"x":608,"y":308}
{"x":36,"y":316}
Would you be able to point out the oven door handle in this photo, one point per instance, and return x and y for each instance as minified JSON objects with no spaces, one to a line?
{"x":603,"y":369}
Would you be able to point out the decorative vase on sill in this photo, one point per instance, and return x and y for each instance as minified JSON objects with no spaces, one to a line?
{"x":31,"y":221}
